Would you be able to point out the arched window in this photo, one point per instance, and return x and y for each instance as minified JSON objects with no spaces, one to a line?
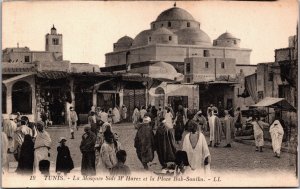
{"x":159,"y":90}
{"x":21,"y":98}
{"x":149,"y":38}
{"x":3,"y":98}
{"x":206,"y":53}
{"x":188,"y":24}
{"x":160,"y":97}
{"x":169,"y":24}
{"x":223,"y":65}
{"x":188,"y":80}
{"x":170,"y":38}
{"x":188,"y":68}
{"x":206,"y":64}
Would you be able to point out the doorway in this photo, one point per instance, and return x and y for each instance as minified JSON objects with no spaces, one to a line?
{"x":175,"y":101}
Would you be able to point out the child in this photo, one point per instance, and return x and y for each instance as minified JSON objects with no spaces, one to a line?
{"x":44,"y":166}
{"x":120,"y":168}
{"x":64,"y":162}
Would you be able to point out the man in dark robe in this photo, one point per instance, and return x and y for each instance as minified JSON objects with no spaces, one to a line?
{"x":164,"y":143}
{"x":64,"y":162}
{"x":144,"y":142}
{"x":87,"y":148}
{"x":25,"y":164}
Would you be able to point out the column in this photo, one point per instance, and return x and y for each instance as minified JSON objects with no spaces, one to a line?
{"x":8,"y":99}
{"x":147,"y":97}
{"x":33,"y":101}
{"x":67,"y":105}
{"x":95,"y":96}
{"x":121,"y":95}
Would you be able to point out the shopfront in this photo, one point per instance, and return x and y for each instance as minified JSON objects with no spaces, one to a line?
{"x":53,"y":94}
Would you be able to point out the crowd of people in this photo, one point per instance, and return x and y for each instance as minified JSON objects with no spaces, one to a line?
{"x":177,"y":138}
{"x":182,"y":135}
{"x":30,"y":145}
{"x":29,"y":142}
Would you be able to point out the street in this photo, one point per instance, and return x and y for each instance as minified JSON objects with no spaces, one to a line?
{"x":241,"y":157}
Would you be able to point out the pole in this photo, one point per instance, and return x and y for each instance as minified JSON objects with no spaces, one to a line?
{"x":215,"y":68}
{"x":147,"y":94}
{"x":268,"y":115}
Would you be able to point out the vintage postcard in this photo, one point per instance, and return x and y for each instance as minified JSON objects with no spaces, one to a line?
{"x":149,"y":94}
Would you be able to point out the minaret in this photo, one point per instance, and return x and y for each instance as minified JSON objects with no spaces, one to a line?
{"x":54,"y":41}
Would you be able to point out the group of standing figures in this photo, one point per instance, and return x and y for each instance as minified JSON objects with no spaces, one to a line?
{"x":178,"y":139}
{"x":102,"y":152}
{"x":30,"y":144}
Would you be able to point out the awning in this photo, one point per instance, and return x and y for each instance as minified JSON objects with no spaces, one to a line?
{"x":15,"y":78}
{"x":277,"y":103}
{"x":218,"y":82}
{"x":97,"y":85}
{"x":52,"y":74}
{"x":134,"y":77}
{"x":161,"y":71}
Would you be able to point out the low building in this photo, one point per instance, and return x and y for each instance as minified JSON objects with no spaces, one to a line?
{"x":278,"y":79}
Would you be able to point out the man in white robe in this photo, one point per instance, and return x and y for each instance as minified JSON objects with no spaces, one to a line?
{"x":9,"y":128}
{"x":4,"y":157}
{"x":229,"y":127}
{"x":116,"y":115}
{"x":41,"y":146}
{"x":73,"y":118}
{"x":214,"y":129}
{"x":258,"y":127}
{"x":197,"y":151}
{"x":277,"y":133}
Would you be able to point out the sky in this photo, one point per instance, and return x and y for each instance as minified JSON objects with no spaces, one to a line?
{"x":90,"y":28}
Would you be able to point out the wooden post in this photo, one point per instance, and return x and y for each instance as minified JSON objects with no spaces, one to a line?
{"x":9,"y":99}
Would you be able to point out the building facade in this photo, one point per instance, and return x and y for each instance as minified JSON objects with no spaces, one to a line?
{"x":176,"y":38}
{"x":34,"y":80}
{"x":278,"y":79}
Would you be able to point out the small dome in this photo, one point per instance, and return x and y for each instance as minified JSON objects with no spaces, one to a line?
{"x":193,"y":36}
{"x":174,"y":13}
{"x":142,"y":38}
{"x":125,"y":40}
{"x":227,"y":35}
{"x":162,"y":31}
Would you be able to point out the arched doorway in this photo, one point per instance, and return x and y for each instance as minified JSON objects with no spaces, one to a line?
{"x":21,"y":98}
{"x":159,"y":97}
{"x":4,"y":98}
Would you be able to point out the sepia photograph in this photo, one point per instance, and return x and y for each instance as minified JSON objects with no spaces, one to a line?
{"x":149,"y":94}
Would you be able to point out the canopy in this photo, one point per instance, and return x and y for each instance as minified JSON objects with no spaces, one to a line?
{"x":161,"y":71}
{"x":279,"y":103}
{"x":52,"y":74}
{"x":15,"y":78}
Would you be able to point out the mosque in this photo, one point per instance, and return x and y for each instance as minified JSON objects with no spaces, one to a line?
{"x":206,"y":67}
{"x":174,"y":50}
